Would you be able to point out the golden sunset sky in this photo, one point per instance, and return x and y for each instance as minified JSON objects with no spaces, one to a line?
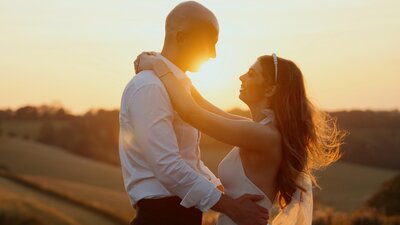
{"x":79,"y":53}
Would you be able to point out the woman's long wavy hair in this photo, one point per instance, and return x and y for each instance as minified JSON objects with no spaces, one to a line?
{"x":310,"y":138}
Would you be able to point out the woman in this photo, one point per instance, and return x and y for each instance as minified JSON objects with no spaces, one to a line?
{"x":278,"y":150}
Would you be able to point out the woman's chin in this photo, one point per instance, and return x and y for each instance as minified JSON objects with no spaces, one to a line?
{"x":246,"y":99}
{"x":242,"y":97}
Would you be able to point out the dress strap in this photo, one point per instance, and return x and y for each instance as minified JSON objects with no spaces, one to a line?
{"x":269,"y":116}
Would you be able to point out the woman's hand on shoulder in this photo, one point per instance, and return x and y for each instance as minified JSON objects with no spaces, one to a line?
{"x":145,"y":61}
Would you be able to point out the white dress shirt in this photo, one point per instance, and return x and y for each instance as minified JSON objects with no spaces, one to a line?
{"x":159,"y":152}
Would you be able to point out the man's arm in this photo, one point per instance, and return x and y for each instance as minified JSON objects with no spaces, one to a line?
{"x":152,"y":115}
{"x":212,"y":176}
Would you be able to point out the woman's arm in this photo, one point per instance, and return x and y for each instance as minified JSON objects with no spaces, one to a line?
{"x":148,"y":63}
{"x":242,"y":133}
{"x":211,"y":107}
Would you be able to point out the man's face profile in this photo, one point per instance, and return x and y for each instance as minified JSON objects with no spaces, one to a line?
{"x":198,"y":45}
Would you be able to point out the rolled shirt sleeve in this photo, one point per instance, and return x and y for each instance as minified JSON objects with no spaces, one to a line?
{"x":152,"y":114}
{"x":210,"y":174}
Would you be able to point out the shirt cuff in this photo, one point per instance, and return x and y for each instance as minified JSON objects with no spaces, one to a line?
{"x":203,"y":196}
{"x":216,"y":182}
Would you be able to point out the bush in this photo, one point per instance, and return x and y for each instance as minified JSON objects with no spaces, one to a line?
{"x":387,"y":199}
{"x":366,"y":217}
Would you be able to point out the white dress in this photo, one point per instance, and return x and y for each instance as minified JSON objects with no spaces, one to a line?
{"x":235,"y":181}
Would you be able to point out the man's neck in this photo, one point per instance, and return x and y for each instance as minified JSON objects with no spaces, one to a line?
{"x":172,"y":57}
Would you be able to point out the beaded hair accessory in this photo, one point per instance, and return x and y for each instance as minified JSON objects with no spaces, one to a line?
{"x":275,"y":59}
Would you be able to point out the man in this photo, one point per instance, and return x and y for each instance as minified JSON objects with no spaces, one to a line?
{"x":163,"y":174}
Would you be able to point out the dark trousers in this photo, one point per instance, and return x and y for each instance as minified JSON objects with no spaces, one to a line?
{"x":165,"y":211}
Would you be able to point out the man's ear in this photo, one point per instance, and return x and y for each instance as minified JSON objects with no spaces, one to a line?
{"x":180,"y":37}
{"x":270,"y":91}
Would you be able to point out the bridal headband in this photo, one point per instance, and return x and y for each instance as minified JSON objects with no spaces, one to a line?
{"x":276,"y":66}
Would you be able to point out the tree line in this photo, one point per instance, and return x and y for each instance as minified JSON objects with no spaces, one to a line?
{"x":373,"y":140}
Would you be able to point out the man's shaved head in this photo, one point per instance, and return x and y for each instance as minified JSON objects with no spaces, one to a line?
{"x":191,"y":33}
{"x":190,"y":15}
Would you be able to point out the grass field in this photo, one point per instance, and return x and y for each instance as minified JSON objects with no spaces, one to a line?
{"x":19,"y":202}
{"x":17,"y":210}
{"x":32,"y":158}
{"x":74,"y":181}
{"x":347,"y":186}
{"x":107,"y":202}
{"x":73,"y":189}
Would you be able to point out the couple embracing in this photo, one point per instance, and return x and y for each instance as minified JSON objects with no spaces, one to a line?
{"x":276,"y":153}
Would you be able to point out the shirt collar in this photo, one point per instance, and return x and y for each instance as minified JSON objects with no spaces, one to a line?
{"x":176,"y":70}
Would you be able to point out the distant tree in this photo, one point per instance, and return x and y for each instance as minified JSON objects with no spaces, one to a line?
{"x":387,"y":199}
{"x":54,"y":111}
{"x":366,"y":217}
{"x":26,"y":112}
{"x":47,"y":134}
{"x":374,"y":138}
{"x":93,"y":135}
{"x":6,"y":114}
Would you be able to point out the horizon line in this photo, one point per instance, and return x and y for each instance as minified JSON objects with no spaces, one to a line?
{"x":81,"y":112}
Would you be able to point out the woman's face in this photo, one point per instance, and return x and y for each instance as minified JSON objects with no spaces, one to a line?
{"x":253,"y":85}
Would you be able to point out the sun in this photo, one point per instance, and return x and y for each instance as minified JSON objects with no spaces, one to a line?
{"x":211,"y":76}
{"x":218,"y":81}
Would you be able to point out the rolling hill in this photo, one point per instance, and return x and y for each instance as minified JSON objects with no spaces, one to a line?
{"x":24,"y":205}
{"x":31,"y":158}
{"x":96,"y":188}
{"x":76,"y":189}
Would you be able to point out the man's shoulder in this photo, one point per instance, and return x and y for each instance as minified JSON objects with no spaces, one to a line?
{"x":145,"y":78}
